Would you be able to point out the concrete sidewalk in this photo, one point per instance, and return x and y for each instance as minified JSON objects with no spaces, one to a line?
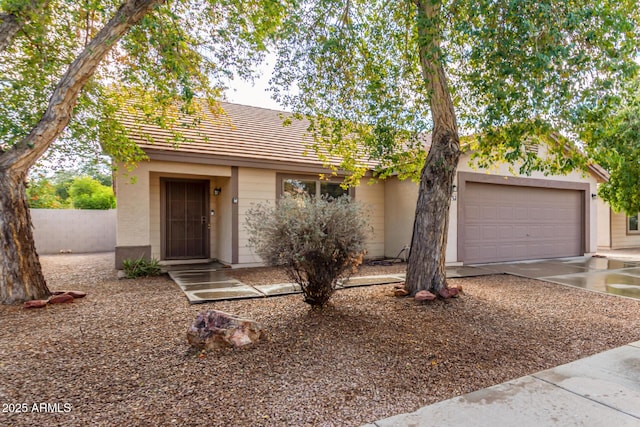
{"x":601,"y":390}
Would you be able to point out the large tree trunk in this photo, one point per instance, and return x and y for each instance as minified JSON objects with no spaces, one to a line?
{"x":21,"y":277}
{"x":426,"y":269}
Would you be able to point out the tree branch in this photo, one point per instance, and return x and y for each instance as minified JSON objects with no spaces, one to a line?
{"x":12,"y":22}
{"x":9,"y":27}
{"x":65,"y":95}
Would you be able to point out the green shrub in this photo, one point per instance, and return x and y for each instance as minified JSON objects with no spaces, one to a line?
{"x":316,"y":240}
{"x":87,"y":193}
{"x":141,"y":267}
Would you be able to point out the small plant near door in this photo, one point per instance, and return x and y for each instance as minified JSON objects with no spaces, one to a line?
{"x":317,"y":240}
{"x":141,"y":267}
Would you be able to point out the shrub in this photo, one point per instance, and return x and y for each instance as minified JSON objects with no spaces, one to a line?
{"x":87,"y":193}
{"x":316,"y":240}
{"x":141,"y":267}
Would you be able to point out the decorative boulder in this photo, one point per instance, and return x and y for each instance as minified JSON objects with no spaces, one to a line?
{"x":424,"y":296}
{"x":216,"y":329}
{"x":36,"y":303}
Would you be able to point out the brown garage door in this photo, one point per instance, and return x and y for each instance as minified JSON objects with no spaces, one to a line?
{"x":510,"y":223}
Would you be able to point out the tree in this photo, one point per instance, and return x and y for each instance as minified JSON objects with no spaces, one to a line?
{"x":508,"y":72}
{"x":87,"y":193}
{"x":70,"y":68}
{"x":41,"y":194}
{"x":611,"y":130}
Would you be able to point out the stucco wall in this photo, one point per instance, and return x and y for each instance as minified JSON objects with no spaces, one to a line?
{"x":254,"y":186}
{"x":372,"y":197}
{"x":139,"y":217}
{"x":620,"y":238}
{"x":400,"y":207}
{"x":604,"y":226}
{"x":78,"y":230}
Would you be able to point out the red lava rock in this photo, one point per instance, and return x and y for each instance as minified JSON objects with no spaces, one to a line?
{"x":424,"y":296}
{"x":450,"y":292}
{"x":445,"y":293}
{"x":400,"y":292}
{"x":60,"y":299}
{"x":454,"y":292}
{"x":75,"y":294}
{"x":36,"y":303}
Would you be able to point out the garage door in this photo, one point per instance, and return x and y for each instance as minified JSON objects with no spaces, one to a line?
{"x":510,"y":223}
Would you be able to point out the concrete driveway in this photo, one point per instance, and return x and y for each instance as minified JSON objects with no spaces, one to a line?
{"x":619,"y":276}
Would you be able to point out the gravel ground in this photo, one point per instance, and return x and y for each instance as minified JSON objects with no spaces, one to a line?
{"x":120,"y":355}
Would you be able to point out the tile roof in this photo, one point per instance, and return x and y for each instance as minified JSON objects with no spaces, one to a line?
{"x":241,"y":133}
{"x":251,"y":134}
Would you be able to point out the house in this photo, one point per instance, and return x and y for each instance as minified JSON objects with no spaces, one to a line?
{"x":191,"y":202}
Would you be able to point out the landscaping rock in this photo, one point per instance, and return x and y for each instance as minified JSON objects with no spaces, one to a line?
{"x":61,"y":299}
{"x":424,"y":296}
{"x":451,"y":292}
{"x":400,"y":292}
{"x":214,"y":329}
{"x":74,"y":294}
{"x":36,"y":303}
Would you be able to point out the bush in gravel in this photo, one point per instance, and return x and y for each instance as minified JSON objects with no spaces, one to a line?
{"x":141,"y":267}
{"x":316,"y":240}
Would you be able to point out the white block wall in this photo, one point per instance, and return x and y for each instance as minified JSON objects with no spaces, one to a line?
{"x":78,"y":230}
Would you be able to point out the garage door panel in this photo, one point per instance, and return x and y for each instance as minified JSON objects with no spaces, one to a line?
{"x":489,"y":232}
{"x":509,"y":223}
{"x":506,"y":232}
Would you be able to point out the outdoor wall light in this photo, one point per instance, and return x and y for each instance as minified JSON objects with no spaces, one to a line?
{"x":234,"y":200}
{"x":594,"y":196}
{"x":217,"y":191}
{"x":455,"y":188}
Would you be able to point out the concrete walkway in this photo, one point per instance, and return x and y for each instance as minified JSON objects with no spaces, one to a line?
{"x":209,"y":282}
{"x":601,"y":390}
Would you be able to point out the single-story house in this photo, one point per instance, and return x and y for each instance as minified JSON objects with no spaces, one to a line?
{"x":190,"y":202}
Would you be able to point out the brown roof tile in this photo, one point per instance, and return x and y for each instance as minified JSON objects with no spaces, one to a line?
{"x":245,"y":133}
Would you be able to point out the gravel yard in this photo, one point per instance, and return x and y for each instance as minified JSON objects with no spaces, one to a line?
{"x":120,"y":355}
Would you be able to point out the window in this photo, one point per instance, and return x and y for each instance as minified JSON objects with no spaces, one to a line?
{"x":296,"y":186}
{"x":632,"y":224}
{"x":312,"y":187}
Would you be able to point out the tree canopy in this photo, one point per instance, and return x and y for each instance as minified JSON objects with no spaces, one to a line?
{"x":611,"y":131}
{"x":71,"y":71}
{"x":518,"y":71}
{"x":178,"y":51}
{"x":374,"y":76}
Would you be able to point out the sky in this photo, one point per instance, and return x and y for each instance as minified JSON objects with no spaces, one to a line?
{"x":254,"y":94}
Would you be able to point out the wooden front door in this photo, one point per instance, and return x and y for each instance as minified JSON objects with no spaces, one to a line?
{"x":186,"y":219}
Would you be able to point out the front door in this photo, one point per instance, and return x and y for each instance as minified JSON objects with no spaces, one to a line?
{"x":186,"y":220}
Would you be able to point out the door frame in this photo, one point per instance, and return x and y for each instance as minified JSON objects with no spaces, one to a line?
{"x":163,"y":215}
